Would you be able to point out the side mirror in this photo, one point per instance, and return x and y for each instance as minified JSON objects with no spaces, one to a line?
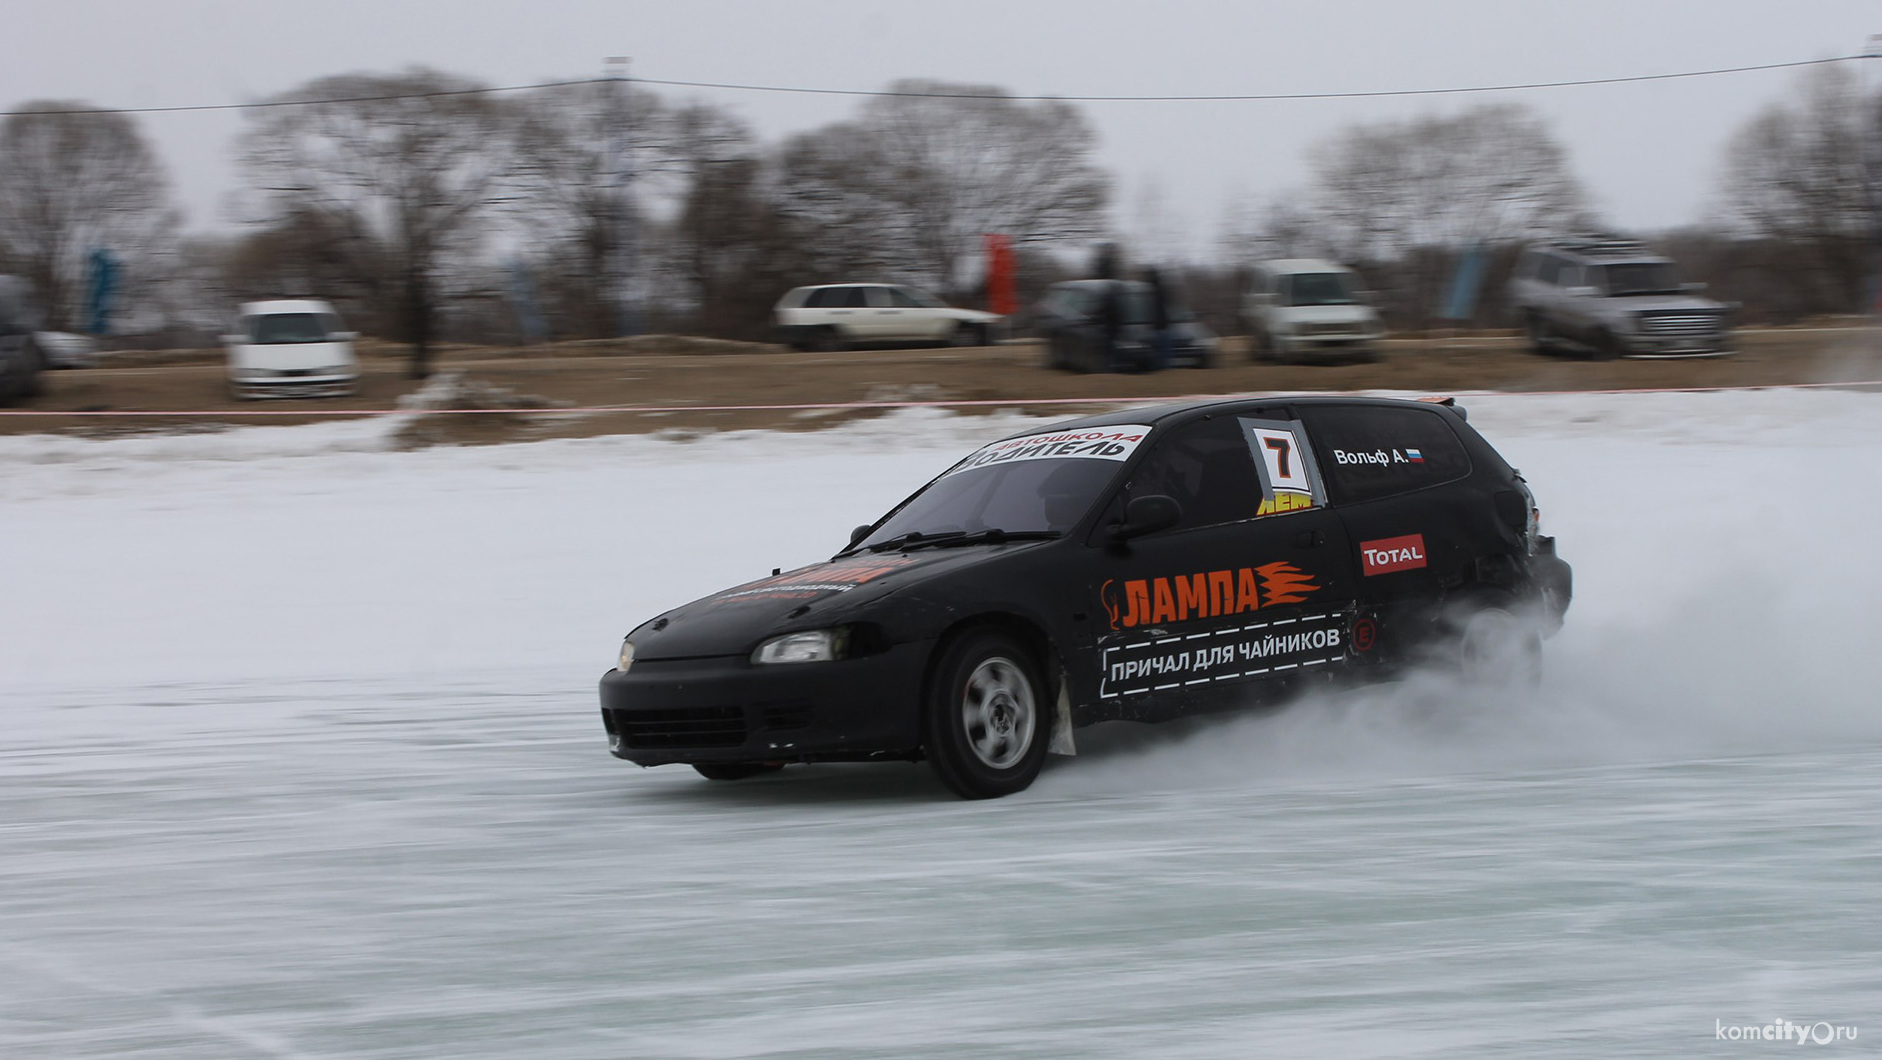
{"x":860,"y":532}
{"x":1147,"y":515}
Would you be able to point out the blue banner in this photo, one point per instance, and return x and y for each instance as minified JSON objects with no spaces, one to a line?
{"x":1460,"y":303}
{"x":101,"y":291}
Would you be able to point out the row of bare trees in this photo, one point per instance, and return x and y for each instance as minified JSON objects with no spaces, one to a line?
{"x":429,"y":206}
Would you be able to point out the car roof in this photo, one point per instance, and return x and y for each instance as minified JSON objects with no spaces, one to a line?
{"x":1153,"y":415}
{"x":1295,"y":265}
{"x":285,"y":305}
{"x":1605,"y":250}
{"x":857,"y":283}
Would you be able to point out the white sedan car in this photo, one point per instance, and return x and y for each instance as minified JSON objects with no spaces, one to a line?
{"x":833,"y":316}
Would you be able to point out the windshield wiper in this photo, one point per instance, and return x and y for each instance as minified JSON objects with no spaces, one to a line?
{"x":990,"y":536}
{"x":913,"y":538}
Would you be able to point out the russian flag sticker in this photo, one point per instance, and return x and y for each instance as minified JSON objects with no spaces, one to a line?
{"x":1414,"y":456}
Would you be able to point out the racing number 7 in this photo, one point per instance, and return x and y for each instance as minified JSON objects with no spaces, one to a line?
{"x":1281,"y":450}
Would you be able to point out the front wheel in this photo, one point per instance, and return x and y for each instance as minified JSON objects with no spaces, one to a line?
{"x":986,"y":724}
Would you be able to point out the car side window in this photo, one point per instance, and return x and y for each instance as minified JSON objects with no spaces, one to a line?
{"x":1368,"y":452}
{"x":1571,"y":275}
{"x":1207,"y":468}
{"x":855,"y":298}
{"x":875,"y":297}
{"x":1549,"y":269}
{"x":901,"y":299}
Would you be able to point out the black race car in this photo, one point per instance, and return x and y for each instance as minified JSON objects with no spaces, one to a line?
{"x":1137,"y":565}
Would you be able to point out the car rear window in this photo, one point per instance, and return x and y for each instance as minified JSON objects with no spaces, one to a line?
{"x":1368,"y":452}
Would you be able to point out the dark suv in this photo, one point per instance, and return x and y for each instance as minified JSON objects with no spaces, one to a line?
{"x":20,"y":358}
{"x":1614,"y":298}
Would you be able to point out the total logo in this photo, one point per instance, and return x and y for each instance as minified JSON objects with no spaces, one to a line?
{"x":1392,"y":554}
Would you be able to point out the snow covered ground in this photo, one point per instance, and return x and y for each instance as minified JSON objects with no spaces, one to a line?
{"x":301,"y":760}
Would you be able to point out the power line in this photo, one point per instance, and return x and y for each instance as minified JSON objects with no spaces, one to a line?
{"x":268,"y":103}
{"x":799,"y":90}
{"x":1257,"y":97}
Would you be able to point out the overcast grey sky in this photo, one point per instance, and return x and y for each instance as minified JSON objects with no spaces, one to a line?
{"x":1647,"y":153}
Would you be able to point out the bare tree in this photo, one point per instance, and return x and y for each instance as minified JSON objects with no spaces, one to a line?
{"x":71,"y":183}
{"x":407,"y":164}
{"x":1487,"y":175}
{"x":1796,"y":175}
{"x":930,"y":167}
{"x":589,"y":157}
{"x":1403,"y":199}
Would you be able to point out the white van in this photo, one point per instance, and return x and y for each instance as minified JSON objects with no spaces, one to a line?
{"x":1301,"y":307}
{"x":290,"y":349}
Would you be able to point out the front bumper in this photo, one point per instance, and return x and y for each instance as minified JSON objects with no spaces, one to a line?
{"x":726,"y":709}
{"x":289,"y":386}
{"x":1331,"y":345}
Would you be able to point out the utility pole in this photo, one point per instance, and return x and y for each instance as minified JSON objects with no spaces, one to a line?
{"x":1868,"y":118}
{"x":625,"y":258}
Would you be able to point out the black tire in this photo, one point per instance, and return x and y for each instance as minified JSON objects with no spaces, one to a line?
{"x":1538,"y":332}
{"x":31,"y":381}
{"x":1077,"y":357}
{"x":987,"y":716}
{"x":963,"y":335}
{"x":735,"y":770}
{"x":1055,"y":352}
{"x":823,"y":340}
{"x":1493,"y":642}
{"x":1257,"y":346}
{"x":1606,"y":347}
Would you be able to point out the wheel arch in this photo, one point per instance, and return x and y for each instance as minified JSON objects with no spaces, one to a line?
{"x":1030,"y":634}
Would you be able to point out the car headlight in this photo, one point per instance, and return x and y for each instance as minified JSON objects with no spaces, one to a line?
{"x":627,"y":656}
{"x":813,"y":645}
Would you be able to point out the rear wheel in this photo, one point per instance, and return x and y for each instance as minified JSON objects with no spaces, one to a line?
{"x":823,"y":340}
{"x":735,"y":770}
{"x":1538,"y":331}
{"x":1606,"y":346}
{"x":1492,"y":645}
{"x":985,"y":721}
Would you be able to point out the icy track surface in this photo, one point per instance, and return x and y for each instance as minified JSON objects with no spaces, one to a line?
{"x":301,"y":759}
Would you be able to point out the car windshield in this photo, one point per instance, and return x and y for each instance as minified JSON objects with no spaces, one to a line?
{"x":1040,"y":484}
{"x":273,"y":328}
{"x":1638,"y":277}
{"x":1320,"y":288}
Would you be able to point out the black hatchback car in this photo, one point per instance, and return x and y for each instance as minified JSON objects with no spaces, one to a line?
{"x":1140,"y":565}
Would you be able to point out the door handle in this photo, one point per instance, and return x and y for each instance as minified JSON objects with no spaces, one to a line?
{"x":1310,"y":539}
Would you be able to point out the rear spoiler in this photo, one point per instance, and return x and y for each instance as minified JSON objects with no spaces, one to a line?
{"x":1448,"y":402}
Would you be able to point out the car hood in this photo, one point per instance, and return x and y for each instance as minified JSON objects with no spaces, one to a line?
{"x":1649,"y":303}
{"x":733,"y":621}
